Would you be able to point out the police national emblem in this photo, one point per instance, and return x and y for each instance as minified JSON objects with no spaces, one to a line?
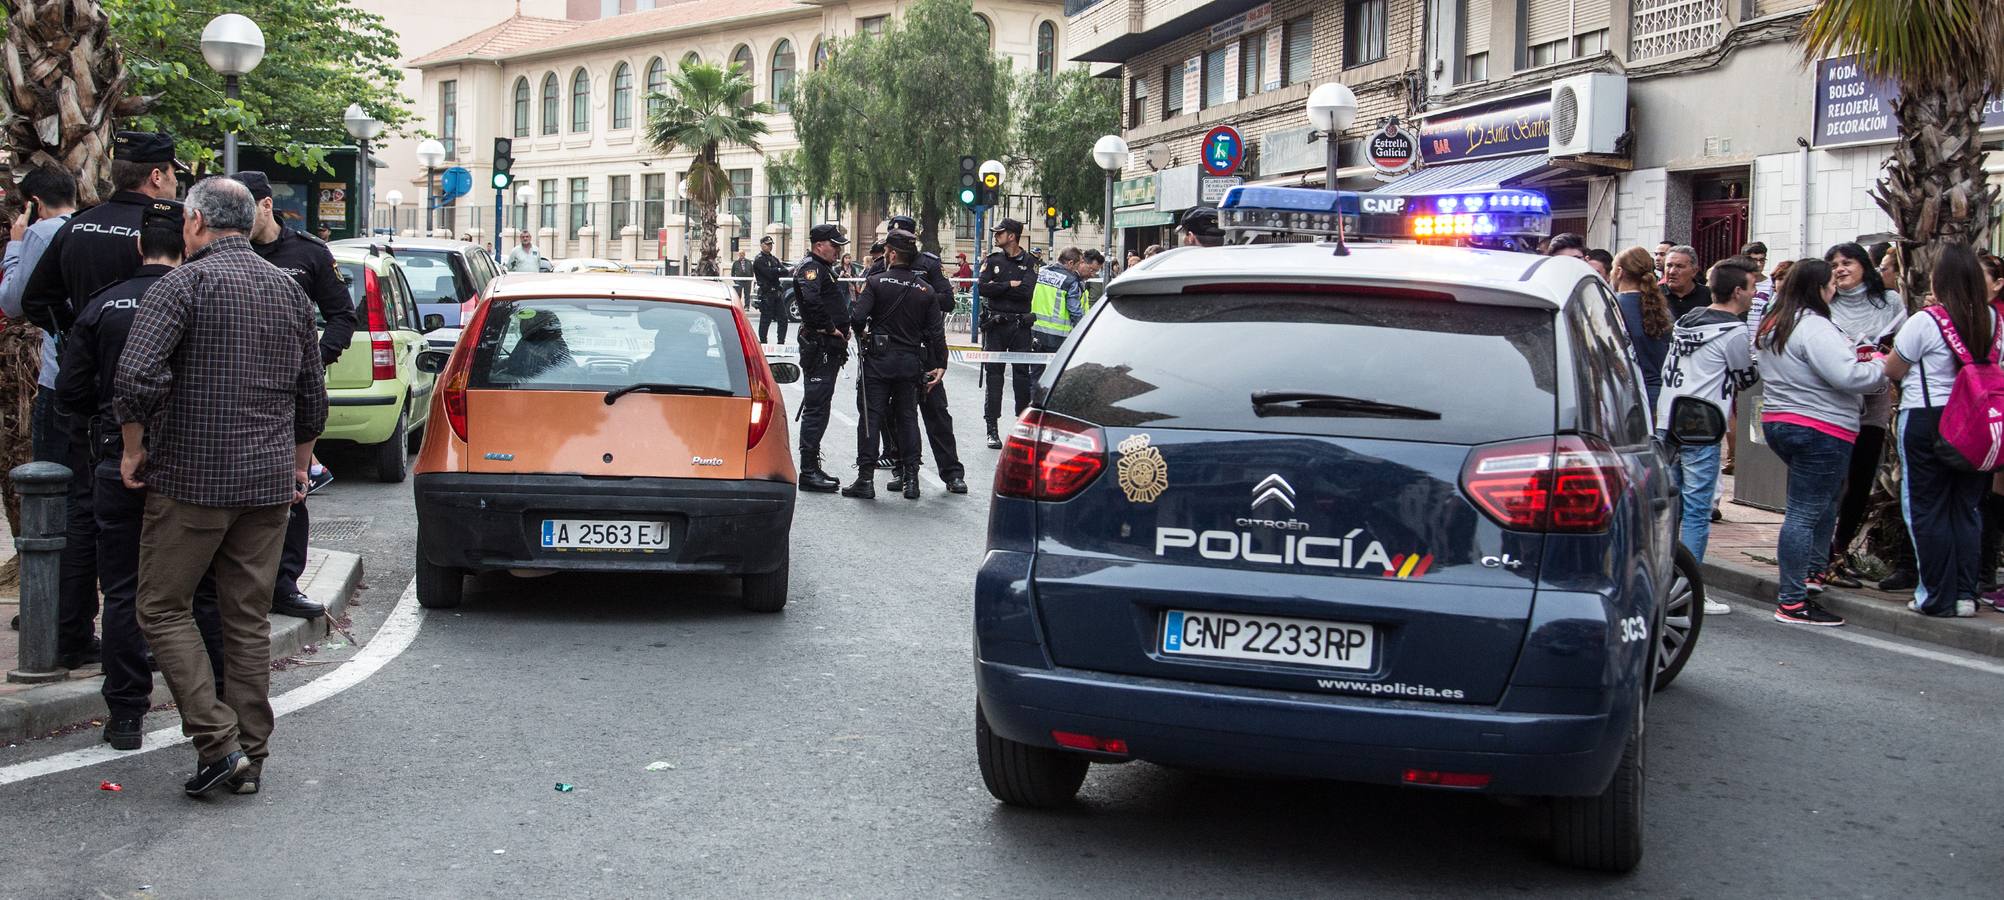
{"x":1143,"y":474}
{"x":810,"y":274}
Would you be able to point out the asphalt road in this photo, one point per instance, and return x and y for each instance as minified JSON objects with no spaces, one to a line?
{"x":828,"y":751}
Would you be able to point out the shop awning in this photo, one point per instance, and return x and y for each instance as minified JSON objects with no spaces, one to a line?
{"x":1482,"y":174}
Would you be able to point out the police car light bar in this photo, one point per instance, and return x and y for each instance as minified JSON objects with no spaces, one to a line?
{"x":1310,"y":211}
{"x":1279,"y":210}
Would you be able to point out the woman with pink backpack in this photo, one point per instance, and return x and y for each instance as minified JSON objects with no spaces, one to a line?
{"x":1951,"y":391}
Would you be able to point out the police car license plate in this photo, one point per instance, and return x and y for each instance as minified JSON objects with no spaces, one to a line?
{"x":1309,"y":642}
{"x":588,"y":534}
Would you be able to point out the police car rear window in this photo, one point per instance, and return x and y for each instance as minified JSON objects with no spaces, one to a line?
{"x":1409,"y":369}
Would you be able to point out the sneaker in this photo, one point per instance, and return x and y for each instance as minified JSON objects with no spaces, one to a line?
{"x":216,"y":774}
{"x":1813,"y":583}
{"x":1807,"y":613}
{"x":1715,"y":608}
{"x":318,"y":477}
{"x":1993,"y":599}
{"x":1717,"y":516}
{"x":1965,"y":609}
{"x":247,"y":783}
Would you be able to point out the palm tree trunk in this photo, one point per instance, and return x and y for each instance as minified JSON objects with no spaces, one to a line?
{"x":1935,"y":188}
{"x":65,"y":87}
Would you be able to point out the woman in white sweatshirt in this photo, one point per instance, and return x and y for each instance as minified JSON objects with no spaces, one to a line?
{"x":1815,"y":380}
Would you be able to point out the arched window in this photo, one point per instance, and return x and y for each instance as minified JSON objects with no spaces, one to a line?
{"x":782,"y":74}
{"x":657,"y":83}
{"x":580,"y":101}
{"x":820,"y":54}
{"x":550,"y":103}
{"x":741,"y":58}
{"x":1047,"y":48}
{"x":690,"y":58}
{"x":987,"y":28}
{"x":622,"y":96}
{"x":521,"y":107}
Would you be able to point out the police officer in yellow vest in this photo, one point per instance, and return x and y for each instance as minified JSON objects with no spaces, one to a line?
{"x":1058,"y":301}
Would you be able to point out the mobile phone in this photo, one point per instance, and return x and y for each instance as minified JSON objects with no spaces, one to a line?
{"x":34,"y":214}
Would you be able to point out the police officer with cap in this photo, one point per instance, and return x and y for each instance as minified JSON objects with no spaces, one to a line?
{"x":1200,"y":228}
{"x":89,"y":365}
{"x":311,"y":265}
{"x":904,"y":350}
{"x":95,"y":248}
{"x":933,"y":410}
{"x":824,"y":346}
{"x":1008,"y":277}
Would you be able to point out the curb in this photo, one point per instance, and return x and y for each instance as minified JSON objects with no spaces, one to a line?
{"x":38,"y":711}
{"x":1982,"y":635}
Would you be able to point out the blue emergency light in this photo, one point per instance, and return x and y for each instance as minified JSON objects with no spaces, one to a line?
{"x":1425,"y":217}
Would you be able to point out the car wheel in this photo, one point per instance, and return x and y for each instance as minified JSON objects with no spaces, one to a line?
{"x":1605,"y":832}
{"x":1023,"y":775}
{"x":1683,"y":618}
{"x":393,"y":456}
{"x":765,"y":593}
{"x":437,"y":586}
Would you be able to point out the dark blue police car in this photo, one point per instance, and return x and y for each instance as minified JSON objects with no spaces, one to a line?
{"x":1393,"y":516}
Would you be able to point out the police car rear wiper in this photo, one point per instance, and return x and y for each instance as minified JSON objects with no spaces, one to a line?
{"x":662,"y":387}
{"x":1309,"y":403}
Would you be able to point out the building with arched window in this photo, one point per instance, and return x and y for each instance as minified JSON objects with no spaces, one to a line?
{"x":586,"y":180}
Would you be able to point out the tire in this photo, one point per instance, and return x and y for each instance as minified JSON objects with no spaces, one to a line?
{"x":1022,"y":775}
{"x":1683,"y":617}
{"x":393,"y":460}
{"x":765,"y":593}
{"x":437,"y":586}
{"x":1605,"y":832}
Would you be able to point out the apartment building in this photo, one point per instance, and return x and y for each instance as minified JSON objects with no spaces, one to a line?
{"x":571,"y":93}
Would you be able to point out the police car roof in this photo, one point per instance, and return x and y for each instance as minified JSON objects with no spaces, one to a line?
{"x":611,"y":284}
{"x":1496,"y":277}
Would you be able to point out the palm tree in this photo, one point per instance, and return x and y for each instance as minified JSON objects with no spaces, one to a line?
{"x":1947,"y":57}
{"x":705,"y":108}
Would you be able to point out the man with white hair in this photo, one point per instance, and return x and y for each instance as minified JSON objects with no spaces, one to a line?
{"x":220,"y":394}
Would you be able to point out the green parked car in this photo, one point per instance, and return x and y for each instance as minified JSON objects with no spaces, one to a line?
{"x":376,"y":396}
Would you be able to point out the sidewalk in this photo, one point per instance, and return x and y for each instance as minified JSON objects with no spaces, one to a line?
{"x":28,"y":711}
{"x":1740,"y":558}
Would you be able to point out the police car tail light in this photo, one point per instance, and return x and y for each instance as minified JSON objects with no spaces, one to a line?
{"x":382,"y":348}
{"x":1078,"y":741}
{"x":763,"y":387}
{"x":1432,"y":778}
{"x":1049,"y":457}
{"x":1563,"y":484}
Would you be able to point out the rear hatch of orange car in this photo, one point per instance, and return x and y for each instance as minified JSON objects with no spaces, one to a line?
{"x":612,"y":388}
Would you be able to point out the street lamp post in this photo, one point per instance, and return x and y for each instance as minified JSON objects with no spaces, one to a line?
{"x":429,"y":154}
{"x":233,"y":46}
{"x":1110,"y":152}
{"x":363,"y":128}
{"x":395,"y":199}
{"x":1331,"y":109}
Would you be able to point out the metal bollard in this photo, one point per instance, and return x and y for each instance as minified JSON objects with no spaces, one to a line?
{"x":43,"y":486}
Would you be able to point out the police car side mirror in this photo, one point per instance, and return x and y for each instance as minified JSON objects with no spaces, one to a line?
{"x":785,"y":372}
{"x":432,"y":362}
{"x":434,"y":322}
{"x":1696,"y":423}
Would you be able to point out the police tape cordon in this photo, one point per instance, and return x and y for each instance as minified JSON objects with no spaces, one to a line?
{"x":963,"y":353}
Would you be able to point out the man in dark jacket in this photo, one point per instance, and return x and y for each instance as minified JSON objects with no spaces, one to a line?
{"x":769,"y":272}
{"x":933,"y":407}
{"x":741,"y":268}
{"x":1008,"y":277}
{"x":824,"y":347}
{"x":905,"y":350}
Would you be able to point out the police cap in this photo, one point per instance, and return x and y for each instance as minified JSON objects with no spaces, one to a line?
{"x":1202,"y":222}
{"x":259,"y":185}
{"x":1009,"y":225}
{"x":765,"y":241}
{"x":827,"y":231}
{"x":877,"y":247}
{"x":162,"y":213}
{"x":901,"y":222}
{"x":143,"y":147}
{"x":902,"y":241}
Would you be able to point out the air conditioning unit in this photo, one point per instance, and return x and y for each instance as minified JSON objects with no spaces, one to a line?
{"x":1589,"y":113}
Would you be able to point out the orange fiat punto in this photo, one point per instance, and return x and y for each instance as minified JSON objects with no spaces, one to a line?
{"x":606,"y":423}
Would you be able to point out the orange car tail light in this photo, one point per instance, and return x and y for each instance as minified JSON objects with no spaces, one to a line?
{"x":764,"y":390}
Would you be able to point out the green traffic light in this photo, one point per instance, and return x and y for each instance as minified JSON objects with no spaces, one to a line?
{"x":501,"y":181}
{"x":967,"y":196}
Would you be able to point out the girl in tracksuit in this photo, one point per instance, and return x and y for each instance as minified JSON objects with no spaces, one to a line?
{"x":1815,"y":377}
{"x":1941,"y":501}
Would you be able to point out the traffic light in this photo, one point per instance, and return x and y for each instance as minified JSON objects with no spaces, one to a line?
{"x":968,"y":180}
{"x":990,"y":193}
{"x":1050,"y":214}
{"x":1065,"y":222}
{"x":504,"y":160}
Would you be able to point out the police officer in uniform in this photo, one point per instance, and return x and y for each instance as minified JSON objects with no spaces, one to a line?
{"x":1058,"y":302}
{"x":1200,"y":228}
{"x":95,"y":248}
{"x":89,"y":364}
{"x":824,"y":346}
{"x":933,"y":410}
{"x":311,"y":265}
{"x":1008,"y":276}
{"x":904,"y":350}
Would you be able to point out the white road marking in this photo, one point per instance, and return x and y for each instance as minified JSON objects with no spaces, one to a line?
{"x":1857,"y":637}
{"x":395,"y":635}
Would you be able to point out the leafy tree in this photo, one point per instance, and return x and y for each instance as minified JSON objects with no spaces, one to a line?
{"x":705,"y":108}
{"x":320,"y":56}
{"x":893,"y":113}
{"x":1947,"y":56}
{"x":1058,"y":121}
